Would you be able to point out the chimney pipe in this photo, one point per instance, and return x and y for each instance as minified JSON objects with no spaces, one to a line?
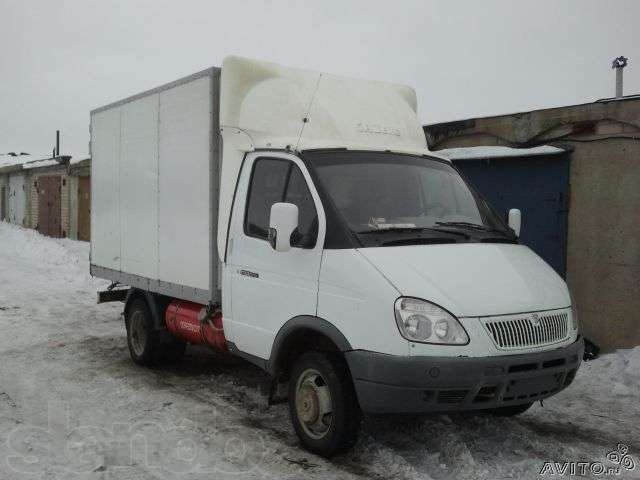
{"x":57,"y":143}
{"x":618,"y":65}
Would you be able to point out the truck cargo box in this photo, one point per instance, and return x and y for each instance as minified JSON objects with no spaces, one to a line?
{"x":155,"y":180}
{"x":164,"y":181}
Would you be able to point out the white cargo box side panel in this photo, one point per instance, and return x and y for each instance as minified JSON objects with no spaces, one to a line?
{"x":155,"y":188}
{"x":139,"y":187}
{"x":105,"y":200}
{"x":184,"y":176}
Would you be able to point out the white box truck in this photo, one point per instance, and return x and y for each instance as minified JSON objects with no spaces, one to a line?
{"x":298,"y":220}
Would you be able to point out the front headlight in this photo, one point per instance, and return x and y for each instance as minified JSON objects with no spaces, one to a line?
{"x":425,"y":322}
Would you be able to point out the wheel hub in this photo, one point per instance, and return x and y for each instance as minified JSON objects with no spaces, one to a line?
{"x":308,"y":405}
{"x":138,"y":333}
{"x":313,"y":402}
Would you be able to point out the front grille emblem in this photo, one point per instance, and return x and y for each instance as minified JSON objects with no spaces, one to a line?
{"x":535,"y":320}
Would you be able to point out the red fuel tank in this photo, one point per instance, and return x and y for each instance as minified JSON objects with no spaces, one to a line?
{"x":183,"y":320}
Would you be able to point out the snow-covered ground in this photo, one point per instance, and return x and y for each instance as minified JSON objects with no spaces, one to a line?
{"x":73,"y":405}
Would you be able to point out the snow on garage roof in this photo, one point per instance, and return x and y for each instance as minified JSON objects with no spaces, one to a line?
{"x":9,"y":161}
{"x":473,"y":153}
{"x":40,"y":163}
{"x":79,"y":158}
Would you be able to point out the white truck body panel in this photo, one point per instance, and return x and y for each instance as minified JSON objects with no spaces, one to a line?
{"x":354,"y":295}
{"x":356,"y":288}
{"x":287,"y":282}
{"x":105,"y":180}
{"x":184,"y":222}
{"x":270,"y":103}
{"x":153,"y":205}
{"x":491,"y":279}
{"x":138,"y":187}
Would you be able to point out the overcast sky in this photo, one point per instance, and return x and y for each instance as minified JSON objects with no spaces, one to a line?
{"x":59,"y":59}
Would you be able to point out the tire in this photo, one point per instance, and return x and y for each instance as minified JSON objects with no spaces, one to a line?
{"x":510,"y":411}
{"x":149,"y":346}
{"x":314,"y":377}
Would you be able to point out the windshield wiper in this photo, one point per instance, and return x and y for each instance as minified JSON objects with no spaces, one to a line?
{"x":419,"y":241}
{"x":412,"y":229}
{"x":474,"y":226}
{"x":477,"y":226}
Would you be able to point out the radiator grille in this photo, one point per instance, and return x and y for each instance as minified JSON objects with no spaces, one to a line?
{"x":525,"y":332}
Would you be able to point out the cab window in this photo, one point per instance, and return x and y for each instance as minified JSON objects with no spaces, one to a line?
{"x":276,"y":180}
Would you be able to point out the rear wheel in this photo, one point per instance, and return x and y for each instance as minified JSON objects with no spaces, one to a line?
{"x":510,"y":411}
{"x":322,"y":403}
{"x":147,"y":345}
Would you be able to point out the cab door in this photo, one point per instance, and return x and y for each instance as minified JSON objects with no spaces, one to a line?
{"x":269,"y":287}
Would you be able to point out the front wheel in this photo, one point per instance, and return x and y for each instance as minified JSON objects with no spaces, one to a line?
{"x":322,"y":403}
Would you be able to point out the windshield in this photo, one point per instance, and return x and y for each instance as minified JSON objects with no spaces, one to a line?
{"x":388,"y":192}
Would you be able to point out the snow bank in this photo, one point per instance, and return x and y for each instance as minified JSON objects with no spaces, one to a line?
{"x":54,"y":255}
{"x":57,"y":272}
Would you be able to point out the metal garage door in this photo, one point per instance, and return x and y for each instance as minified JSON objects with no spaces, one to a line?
{"x":17,"y":199}
{"x":538,"y":186}
{"x":49,"y":214}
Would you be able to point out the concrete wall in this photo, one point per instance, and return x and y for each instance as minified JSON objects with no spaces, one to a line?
{"x":73,"y":207}
{"x":603,"y":259}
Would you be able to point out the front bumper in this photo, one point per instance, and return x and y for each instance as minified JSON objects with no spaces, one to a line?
{"x":396,"y":384}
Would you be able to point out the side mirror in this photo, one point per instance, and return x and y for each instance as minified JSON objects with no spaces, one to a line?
{"x":283,"y":220}
{"x":515,"y":220}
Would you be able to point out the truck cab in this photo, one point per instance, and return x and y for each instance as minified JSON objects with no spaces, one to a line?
{"x":359,"y":269}
{"x":393,"y":267}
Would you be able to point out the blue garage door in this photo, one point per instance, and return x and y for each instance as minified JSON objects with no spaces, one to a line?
{"x":538,"y":186}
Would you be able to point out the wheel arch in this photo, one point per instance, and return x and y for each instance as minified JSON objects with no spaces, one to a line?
{"x":302,"y":331}
{"x":157,"y":305}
